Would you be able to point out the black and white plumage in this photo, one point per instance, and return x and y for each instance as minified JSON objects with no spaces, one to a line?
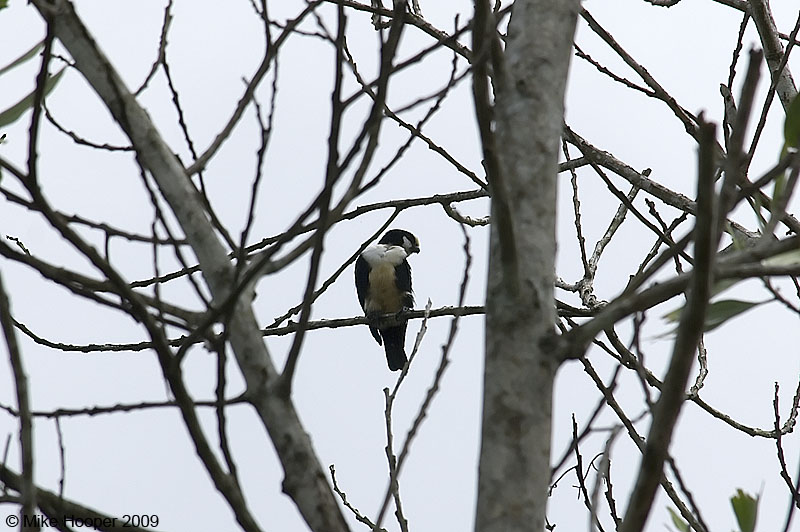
{"x":383,"y":283}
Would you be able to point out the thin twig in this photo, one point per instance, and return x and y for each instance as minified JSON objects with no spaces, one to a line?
{"x":787,"y":478}
{"x":119,"y":408}
{"x":434,"y":388}
{"x":361,"y":518}
{"x":62,"y":458}
{"x":27,"y":488}
{"x":332,"y":175}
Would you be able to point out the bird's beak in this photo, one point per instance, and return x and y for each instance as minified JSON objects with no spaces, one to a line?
{"x":414,"y":249}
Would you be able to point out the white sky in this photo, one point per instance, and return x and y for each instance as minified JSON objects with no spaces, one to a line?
{"x":143,"y":463}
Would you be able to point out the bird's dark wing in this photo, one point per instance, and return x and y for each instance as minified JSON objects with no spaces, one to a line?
{"x":402,"y":278}
{"x":362,"y":289}
{"x":362,"y":280}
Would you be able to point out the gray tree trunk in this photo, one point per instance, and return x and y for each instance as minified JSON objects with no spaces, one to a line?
{"x":514,"y":470}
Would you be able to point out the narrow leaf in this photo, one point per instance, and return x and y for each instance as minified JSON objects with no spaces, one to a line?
{"x":790,"y":258}
{"x":679,"y":523}
{"x":722,"y":285}
{"x":721,"y":311}
{"x":11,"y":114}
{"x":780,"y":185}
{"x":746,"y":509}
{"x":673,"y":316}
{"x":718,"y":312}
{"x":791,"y":127}
{"x":24,"y":57}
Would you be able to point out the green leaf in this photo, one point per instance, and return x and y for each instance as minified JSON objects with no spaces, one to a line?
{"x":3,"y":4}
{"x":721,"y":311}
{"x":780,"y":186}
{"x":24,"y":57}
{"x":717,"y":313}
{"x":738,"y":238}
{"x":746,"y":509}
{"x":722,"y":285}
{"x":679,"y":523}
{"x":15,"y":111}
{"x":789,"y":258}
{"x":791,"y":128}
{"x":673,"y":316}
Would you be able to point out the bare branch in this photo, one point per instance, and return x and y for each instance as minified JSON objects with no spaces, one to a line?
{"x":305,"y":481}
{"x":444,"y":361}
{"x":26,"y":487}
{"x":361,"y":518}
{"x":119,"y":408}
{"x":690,"y":330}
{"x":794,"y":488}
{"x":773,"y":51}
{"x":332,"y":175}
{"x":244,"y":101}
{"x":639,"y":441}
{"x":688,"y":120}
{"x":162,"y":47}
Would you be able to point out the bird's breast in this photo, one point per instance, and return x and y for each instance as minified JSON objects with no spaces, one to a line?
{"x":384,"y":296}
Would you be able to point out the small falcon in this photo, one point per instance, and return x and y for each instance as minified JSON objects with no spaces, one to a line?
{"x":383,"y":283}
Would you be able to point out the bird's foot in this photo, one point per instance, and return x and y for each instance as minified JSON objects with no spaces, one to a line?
{"x":399,"y":313}
{"x":373,"y":318}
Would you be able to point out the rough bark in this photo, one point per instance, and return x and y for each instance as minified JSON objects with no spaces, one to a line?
{"x":529,"y":81}
{"x":773,"y":51}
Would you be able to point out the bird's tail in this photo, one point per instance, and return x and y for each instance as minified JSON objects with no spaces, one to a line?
{"x":394,"y":339}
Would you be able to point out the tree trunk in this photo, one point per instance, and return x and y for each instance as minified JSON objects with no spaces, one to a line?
{"x":529,"y":83}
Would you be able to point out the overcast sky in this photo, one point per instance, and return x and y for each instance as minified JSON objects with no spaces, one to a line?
{"x":142,"y":462}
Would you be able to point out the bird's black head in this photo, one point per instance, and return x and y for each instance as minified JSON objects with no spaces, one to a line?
{"x":398,"y":237}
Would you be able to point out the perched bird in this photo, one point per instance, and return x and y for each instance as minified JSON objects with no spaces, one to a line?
{"x":383,"y":283}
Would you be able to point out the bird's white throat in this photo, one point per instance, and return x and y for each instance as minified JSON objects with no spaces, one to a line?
{"x":383,"y":253}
